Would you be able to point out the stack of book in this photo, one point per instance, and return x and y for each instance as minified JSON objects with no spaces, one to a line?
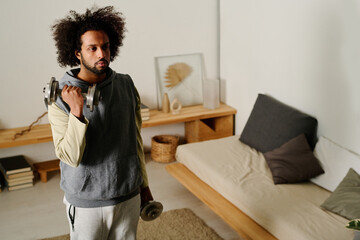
{"x":17,"y":172}
{"x":145,"y":112}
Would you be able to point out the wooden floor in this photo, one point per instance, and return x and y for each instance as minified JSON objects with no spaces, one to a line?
{"x":38,"y":212}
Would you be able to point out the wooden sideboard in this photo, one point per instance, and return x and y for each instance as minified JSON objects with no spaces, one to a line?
{"x":200,"y":124}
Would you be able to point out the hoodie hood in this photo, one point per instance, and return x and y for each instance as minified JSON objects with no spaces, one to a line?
{"x":70,"y":79}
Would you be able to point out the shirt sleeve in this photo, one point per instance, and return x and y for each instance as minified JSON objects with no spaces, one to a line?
{"x":68,"y":135}
{"x":140,"y":148}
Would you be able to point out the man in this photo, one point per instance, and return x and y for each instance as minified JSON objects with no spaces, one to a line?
{"x":102,"y":162}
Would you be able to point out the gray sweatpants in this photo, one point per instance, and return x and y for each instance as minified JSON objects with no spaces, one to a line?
{"x":105,"y":223}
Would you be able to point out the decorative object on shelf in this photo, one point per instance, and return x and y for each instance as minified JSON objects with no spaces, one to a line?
{"x":175,"y":106}
{"x":28,"y":129}
{"x":180,"y":76}
{"x":165,"y":103}
{"x":176,"y":73}
{"x":145,"y":112}
{"x":211,"y":93}
{"x":163,"y":148}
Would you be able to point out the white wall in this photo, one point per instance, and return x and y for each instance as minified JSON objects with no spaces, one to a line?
{"x":155,"y":28}
{"x":305,"y":53}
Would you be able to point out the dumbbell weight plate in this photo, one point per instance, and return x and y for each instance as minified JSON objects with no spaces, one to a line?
{"x":50,"y":91}
{"x":54,"y":88}
{"x":151,"y":211}
{"x":46,"y":92}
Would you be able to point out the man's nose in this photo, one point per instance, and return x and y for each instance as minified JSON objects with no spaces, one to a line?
{"x":101,"y":53}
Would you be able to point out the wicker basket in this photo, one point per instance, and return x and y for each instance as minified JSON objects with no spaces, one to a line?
{"x":163,"y":148}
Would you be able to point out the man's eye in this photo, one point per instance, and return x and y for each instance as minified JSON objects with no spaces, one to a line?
{"x":92,"y":49}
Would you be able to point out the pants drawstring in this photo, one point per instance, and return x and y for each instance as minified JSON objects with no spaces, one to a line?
{"x":72,"y":217}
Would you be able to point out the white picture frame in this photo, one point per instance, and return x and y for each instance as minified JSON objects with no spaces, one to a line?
{"x":181,"y":77}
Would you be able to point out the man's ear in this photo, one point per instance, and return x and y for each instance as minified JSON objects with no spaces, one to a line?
{"x":78,"y":54}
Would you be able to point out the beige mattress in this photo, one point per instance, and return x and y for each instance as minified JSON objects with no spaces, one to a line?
{"x":241,"y":175}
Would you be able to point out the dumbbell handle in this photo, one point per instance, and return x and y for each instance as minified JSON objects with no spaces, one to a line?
{"x":58,"y":93}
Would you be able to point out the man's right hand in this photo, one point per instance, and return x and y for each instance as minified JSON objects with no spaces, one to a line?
{"x":73,"y":97}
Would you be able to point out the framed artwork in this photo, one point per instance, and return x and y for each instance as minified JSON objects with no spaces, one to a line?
{"x":181,"y":77}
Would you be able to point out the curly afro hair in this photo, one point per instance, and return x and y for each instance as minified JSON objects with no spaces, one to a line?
{"x":67,"y":32}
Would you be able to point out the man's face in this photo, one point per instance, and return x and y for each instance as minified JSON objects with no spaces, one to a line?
{"x":95,"y":52}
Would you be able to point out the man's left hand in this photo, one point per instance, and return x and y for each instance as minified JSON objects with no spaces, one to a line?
{"x":145,"y":195}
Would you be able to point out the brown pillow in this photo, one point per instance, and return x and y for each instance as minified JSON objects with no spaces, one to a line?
{"x":293,"y":162}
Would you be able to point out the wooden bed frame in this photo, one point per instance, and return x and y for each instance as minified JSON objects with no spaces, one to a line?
{"x":239,"y":221}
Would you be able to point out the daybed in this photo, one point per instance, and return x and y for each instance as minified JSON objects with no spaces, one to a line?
{"x":253,"y":187}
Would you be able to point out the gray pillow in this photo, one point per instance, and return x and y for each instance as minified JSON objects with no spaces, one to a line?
{"x":272,"y":123}
{"x":344,"y":201}
{"x":293,"y":162}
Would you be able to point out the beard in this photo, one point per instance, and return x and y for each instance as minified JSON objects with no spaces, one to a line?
{"x":93,"y":69}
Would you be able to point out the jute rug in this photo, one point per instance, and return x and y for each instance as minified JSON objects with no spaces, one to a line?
{"x":178,"y":224}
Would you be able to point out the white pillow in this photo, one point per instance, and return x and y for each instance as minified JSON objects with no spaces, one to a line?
{"x":336,"y":162}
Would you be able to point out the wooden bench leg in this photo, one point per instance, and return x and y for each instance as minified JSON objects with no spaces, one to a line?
{"x":43,"y":176}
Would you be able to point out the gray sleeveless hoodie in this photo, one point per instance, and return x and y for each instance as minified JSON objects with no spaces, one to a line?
{"x":109,"y":171}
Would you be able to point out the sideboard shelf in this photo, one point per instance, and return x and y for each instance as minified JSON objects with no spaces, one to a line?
{"x":38,"y":134}
{"x":187,"y":114}
{"x":42,"y":133}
